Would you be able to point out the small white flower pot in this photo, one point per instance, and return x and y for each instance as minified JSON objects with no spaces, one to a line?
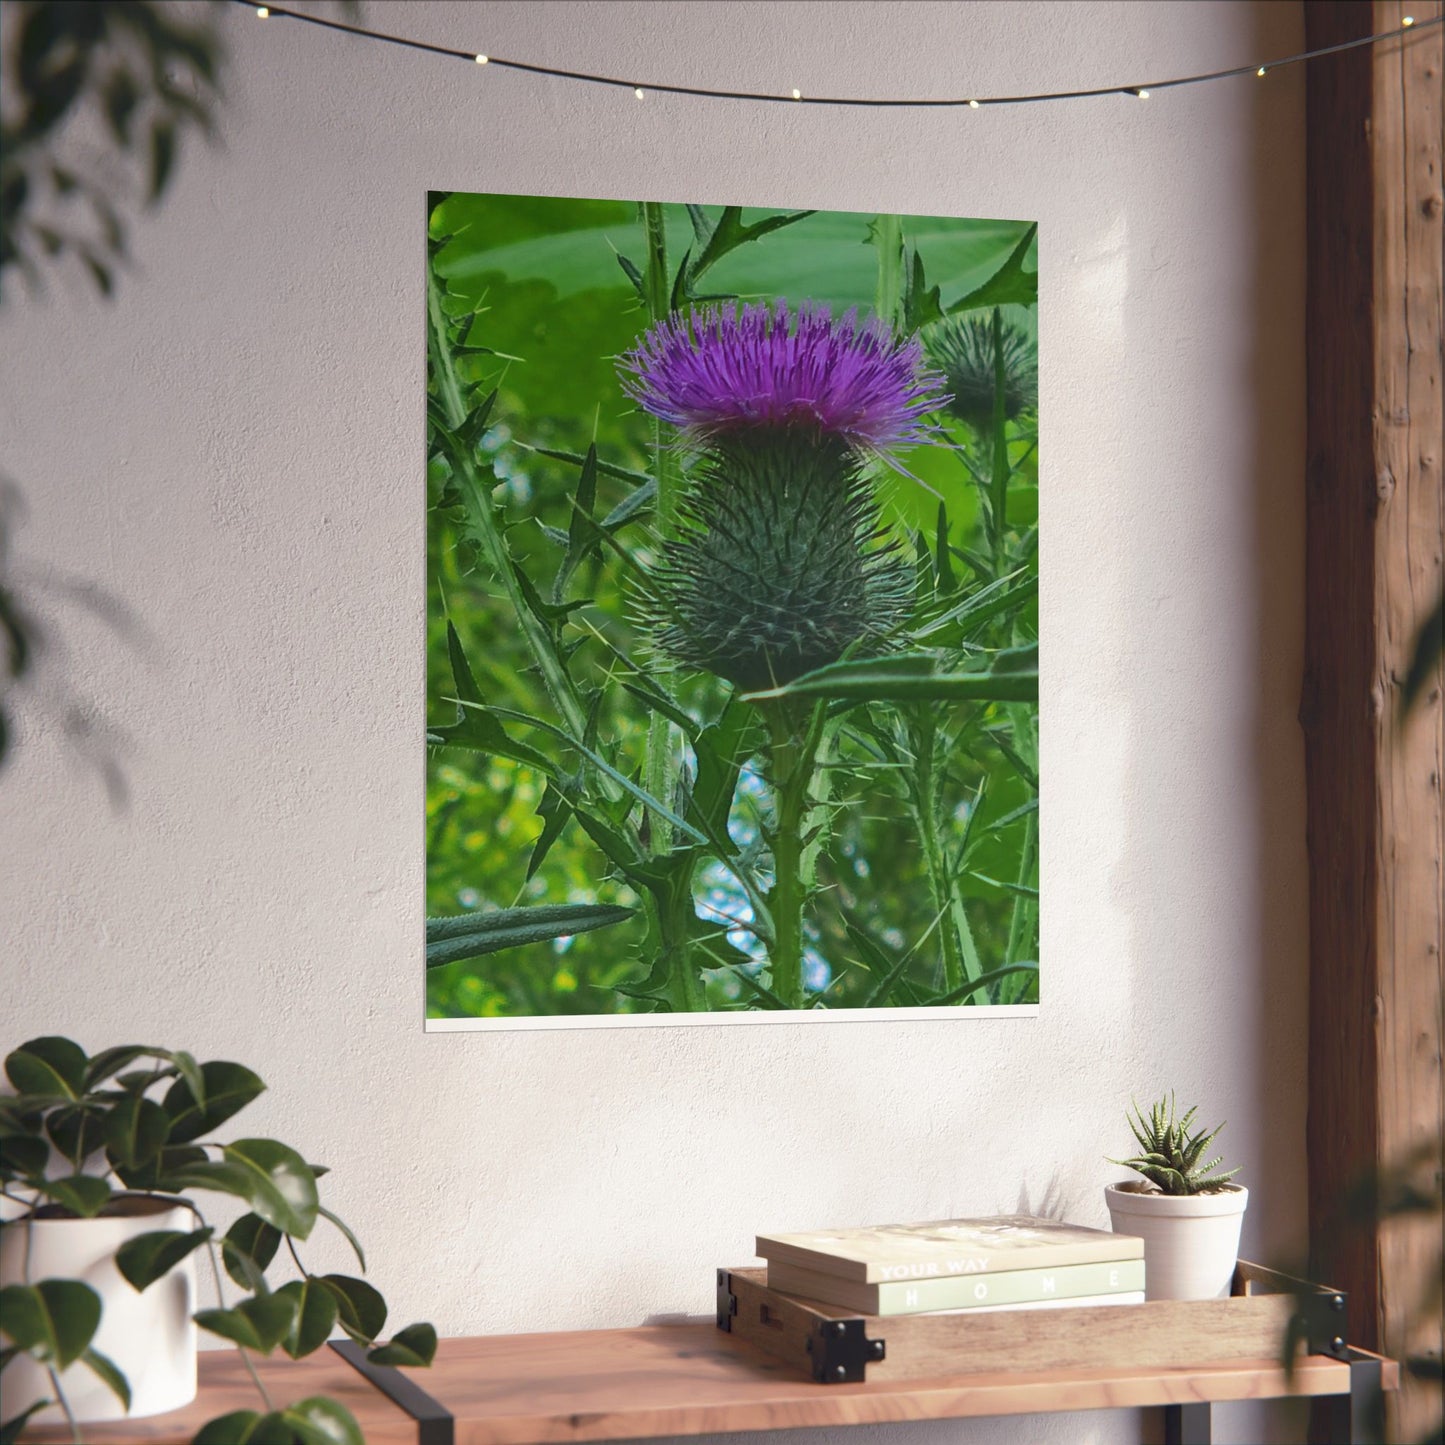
{"x":1191,"y":1241}
{"x":150,"y":1336}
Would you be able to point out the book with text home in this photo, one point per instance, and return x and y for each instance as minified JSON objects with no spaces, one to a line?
{"x":963,"y":1291}
{"x":943,"y":1247}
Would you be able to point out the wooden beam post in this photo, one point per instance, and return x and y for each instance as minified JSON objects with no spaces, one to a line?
{"x":1374,"y":549}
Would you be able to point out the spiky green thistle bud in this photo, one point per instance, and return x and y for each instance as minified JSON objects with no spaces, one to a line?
{"x":963,"y":351}
{"x":779,"y":565}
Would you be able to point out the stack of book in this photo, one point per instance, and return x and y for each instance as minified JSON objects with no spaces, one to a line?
{"x":1012,"y":1261}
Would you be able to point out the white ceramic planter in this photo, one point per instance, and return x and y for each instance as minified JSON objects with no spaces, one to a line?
{"x":150,"y":1336}
{"x":1191,"y":1241}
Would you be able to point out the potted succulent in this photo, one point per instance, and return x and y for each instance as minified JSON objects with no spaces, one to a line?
{"x":1187,"y":1213}
{"x":103,"y":1162}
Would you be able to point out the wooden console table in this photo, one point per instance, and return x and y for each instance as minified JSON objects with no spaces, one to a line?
{"x":692,"y":1379}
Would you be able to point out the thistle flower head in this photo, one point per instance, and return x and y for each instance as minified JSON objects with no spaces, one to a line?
{"x":779,"y":565}
{"x":964,"y":352}
{"x":723,"y":370}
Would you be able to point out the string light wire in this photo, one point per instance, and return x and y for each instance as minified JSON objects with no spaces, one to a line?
{"x":1141,"y":91}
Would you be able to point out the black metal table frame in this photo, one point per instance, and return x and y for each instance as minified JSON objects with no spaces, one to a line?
{"x":1357,"y":1418}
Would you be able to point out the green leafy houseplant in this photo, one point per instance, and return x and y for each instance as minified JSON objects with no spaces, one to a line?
{"x":131,"y":1123}
{"x":1171,"y":1152}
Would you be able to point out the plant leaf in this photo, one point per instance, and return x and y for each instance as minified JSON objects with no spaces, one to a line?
{"x":76,"y":1131}
{"x":729,"y":233}
{"x":154,"y":1175}
{"x":22,"y":1156}
{"x":319,"y":1421}
{"x":316,"y":1311}
{"x":109,"y":1373}
{"x":351,"y":1239}
{"x":960,"y":993}
{"x":554,"y":810}
{"x":581,"y":530}
{"x":1009,"y":285}
{"x":248,"y":1247}
{"x":361,"y":1311}
{"x":634,"y":275}
{"x":12,"y":1429}
{"x":48,"y":1065}
{"x":136,"y":1130}
{"x":909,"y":677}
{"x":83,"y":1194}
{"x":54,"y":1320}
{"x":1425,"y":657}
{"x":416,"y":1345}
{"x":148,"y":1257}
{"x":244,"y":1427}
{"x":469,"y":935}
{"x":604,"y":766}
{"x":111,"y":1061}
{"x":259,"y":1323}
{"x":228,"y":1088}
{"x":283,"y":1188}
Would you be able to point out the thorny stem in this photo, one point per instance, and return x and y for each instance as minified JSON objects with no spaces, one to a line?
{"x":1025,"y":909}
{"x":793,"y":754}
{"x":661,"y":765}
{"x":659,"y":304}
{"x":675,"y":923}
{"x":998,"y":501}
{"x":478,"y":500}
{"x":925,"y":808}
{"x":888,"y":297}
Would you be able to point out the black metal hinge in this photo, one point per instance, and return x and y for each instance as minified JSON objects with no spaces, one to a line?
{"x":727,"y":1301}
{"x":840,"y":1351}
{"x":1323,"y":1322}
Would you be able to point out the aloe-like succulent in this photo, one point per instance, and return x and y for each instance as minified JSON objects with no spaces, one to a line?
{"x":1171,"y":1153}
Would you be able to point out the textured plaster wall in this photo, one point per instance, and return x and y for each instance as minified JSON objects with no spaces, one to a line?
{"x":233,"y":449}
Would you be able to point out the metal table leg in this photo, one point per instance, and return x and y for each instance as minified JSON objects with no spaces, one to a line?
{"x":1187,"y":1424}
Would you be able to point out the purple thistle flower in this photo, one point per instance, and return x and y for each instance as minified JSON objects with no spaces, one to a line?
{"x":723,"y":370}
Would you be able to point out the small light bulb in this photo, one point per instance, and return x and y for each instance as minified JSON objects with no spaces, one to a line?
{"x":1408,"y":21}
{"x":481,"y":59}
{"x":1260,"y":72}
{"x":638,"y":92}
{"x":262,"y":12}
{"x":973,"y":105}
{"x":797,"y":94}
{"x":1142,"y":94}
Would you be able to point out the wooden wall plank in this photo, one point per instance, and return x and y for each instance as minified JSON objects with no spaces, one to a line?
{"x":1409,"y":544}
{"x":1374,"y":549}
{"x":1340,"y":765}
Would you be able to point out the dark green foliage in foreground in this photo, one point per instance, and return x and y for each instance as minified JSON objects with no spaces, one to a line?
{"x":134,"y":1121}
{"x":582,"y":757}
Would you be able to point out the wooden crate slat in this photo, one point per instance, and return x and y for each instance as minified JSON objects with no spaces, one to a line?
{"x":1158,"y":1334}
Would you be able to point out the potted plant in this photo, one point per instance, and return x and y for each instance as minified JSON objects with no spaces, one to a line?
{"x":102,"y":1160}
{"x":1188,"y":1214}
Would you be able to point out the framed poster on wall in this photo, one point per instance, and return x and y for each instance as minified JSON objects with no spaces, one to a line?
{"x":732,"y":614}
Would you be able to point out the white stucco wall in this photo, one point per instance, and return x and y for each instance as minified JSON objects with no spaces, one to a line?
{"x":233,"y":448}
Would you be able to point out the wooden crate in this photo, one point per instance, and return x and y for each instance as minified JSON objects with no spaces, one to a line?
{"x":836,"y":1345}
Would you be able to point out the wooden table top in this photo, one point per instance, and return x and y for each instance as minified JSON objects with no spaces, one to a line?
{"x":685,"y":1379}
